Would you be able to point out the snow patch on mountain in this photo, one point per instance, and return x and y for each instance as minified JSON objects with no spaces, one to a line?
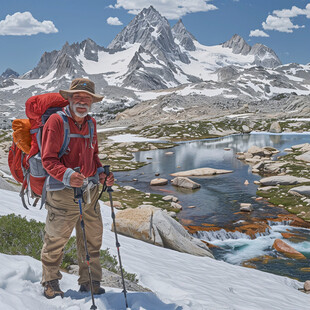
{"x":205,"y":60}
{"x":113,"y":66}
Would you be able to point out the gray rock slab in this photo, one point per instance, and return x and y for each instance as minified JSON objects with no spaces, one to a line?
{"x":155,"y":226}
{"x":185,"y":182}
{"x":300,"y":190}
{"x":304,"y":157}
{"x":299,"y":146}
{"x":282,"y":180}
{"x":200,"y":172}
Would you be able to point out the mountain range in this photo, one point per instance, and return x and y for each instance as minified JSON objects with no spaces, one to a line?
{"x":148,"y":59}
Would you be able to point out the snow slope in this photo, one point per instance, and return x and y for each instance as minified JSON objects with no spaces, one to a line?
{"x":178,"y":280}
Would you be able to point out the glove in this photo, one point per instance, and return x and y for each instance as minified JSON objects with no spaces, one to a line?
{"x":109,"y":180}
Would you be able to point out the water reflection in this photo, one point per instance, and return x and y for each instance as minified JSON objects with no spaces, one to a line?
{"x":218,"y":199}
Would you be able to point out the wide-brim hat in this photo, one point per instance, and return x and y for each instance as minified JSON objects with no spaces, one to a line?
{"x":81,"y":85}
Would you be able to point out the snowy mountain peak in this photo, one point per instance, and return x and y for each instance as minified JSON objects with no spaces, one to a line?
{"x":153,"y":32}
{"x":147,"y":26}
{"x":179,"y":28}
{"x":9,"y":73}
{"x":91,"y":49}
{"x":184,"y":37}
{"x":238,"y":45}
{"x":152,"y":15}
{"x":264,"y":56}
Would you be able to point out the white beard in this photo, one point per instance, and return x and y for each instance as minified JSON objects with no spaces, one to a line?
{"x":79,"y":105}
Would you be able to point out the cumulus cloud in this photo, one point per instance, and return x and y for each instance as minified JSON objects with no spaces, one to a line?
{"x":293,"y":12}
{"x":280,"y":20}
{"x":114,"y":21}
{"x":307,"y":10}
{"x":282,"y":24}
{"x":171,"y":9}
{"x":20,"y":24}
{"x":258,"y":33}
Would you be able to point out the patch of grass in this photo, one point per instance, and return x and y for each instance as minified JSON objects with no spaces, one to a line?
{"x":133,"y":198}
{"x":181,"y":131}
{"x":293,"y":204}
{"x":296,"y":125}
{"x":110,"y":262}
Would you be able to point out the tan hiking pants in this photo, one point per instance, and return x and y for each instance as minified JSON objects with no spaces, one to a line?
{"x":63,"y":215}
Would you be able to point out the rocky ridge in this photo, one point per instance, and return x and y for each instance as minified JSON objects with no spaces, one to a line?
{"x":264,"y":56}
{"x":160,"y":63}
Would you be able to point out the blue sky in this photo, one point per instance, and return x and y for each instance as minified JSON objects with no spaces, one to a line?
{"x":28,"y":28}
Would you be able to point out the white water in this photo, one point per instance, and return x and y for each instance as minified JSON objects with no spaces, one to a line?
{"x":241,"y":247}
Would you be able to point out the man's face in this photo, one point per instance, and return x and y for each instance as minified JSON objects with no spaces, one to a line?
{"x":81,"y":103}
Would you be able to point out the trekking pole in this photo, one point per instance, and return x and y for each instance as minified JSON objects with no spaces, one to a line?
{"x":78,"y":194}
{"x":110,"y":190}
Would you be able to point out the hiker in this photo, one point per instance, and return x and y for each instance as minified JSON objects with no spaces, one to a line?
{"x":63,"y":211}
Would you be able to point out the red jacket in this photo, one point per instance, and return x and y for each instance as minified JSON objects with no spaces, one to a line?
{"x":79,"y":152}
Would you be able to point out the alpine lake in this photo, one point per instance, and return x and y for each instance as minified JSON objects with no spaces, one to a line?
{"x":212,"y":212}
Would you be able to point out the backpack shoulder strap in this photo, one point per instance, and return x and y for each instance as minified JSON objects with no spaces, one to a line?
{"x":91,"y":129}
{"x":66,"y":133}
{"x":62,"y":151}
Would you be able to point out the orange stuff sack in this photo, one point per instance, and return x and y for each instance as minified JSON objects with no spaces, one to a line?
{"x":21,"y":134}
{"x":17,"y":163}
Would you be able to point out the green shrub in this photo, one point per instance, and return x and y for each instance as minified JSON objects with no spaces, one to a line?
{"x":21,"y":237}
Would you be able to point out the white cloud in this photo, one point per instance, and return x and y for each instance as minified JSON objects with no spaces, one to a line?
{"x":307,"y":10}
{"x":171,"y":9}
{"x":114,"y":21}
{"x":282,"y":24}
{"x":258,"y":33}
{"x":20,"y":24}
{"x":293,"y":12}
{"x":280,"y":20}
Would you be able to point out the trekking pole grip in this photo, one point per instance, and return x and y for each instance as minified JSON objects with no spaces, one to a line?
{"x":106,"y":170}
{"x":77,"y":169}
{"x":78,"y":194}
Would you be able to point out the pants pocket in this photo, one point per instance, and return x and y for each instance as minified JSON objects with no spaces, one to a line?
{"x":56,"y":224}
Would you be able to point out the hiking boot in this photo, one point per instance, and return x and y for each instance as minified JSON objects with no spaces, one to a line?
{"x":97,"y":289}
{"x":52,"y":289}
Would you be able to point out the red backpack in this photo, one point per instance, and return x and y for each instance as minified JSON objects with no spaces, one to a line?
{"x":24,"y":155}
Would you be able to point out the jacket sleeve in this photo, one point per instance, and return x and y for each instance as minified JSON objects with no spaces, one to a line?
{"x":52,"y":139}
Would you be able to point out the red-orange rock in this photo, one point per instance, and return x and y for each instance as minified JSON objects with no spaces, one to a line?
{"x":287,"y":250}
{"x":186,"y":221}
{"x":207,"y":225}
{"x":294,"y":220}
{"x":287,"y":235}
{"x":166,"y":191}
